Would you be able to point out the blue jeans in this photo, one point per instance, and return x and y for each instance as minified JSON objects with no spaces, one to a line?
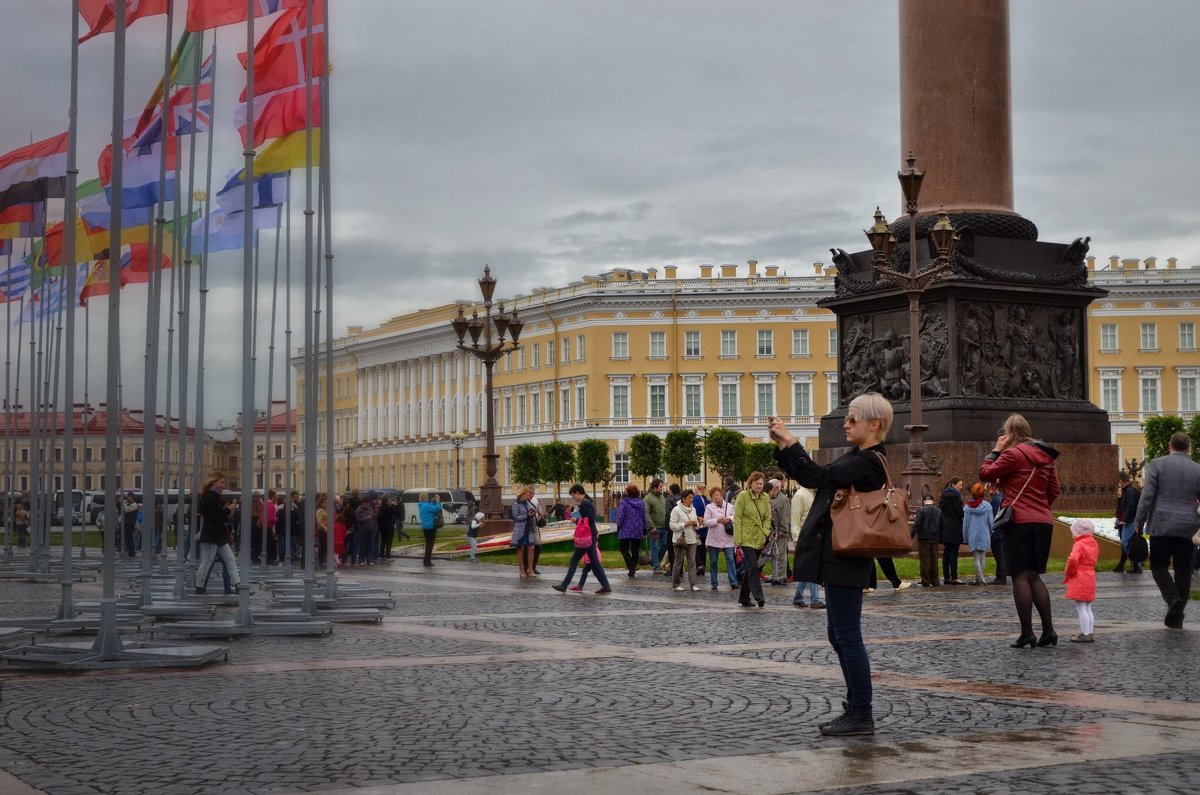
{"x":844,"y":617}
{"x":597,"y":568}
{"x":814,"y":594}
{"x":1126,"y":534}
{"x":659,"y":539}
{"x":714,"y":555}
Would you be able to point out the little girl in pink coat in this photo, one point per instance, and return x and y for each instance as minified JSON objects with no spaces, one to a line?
{"x":1080,"y":576}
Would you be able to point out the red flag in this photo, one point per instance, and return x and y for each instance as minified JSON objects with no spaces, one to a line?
{"x":282,"y":53}
{"x":97,"y":281}
{"x":279,"y":113}
{"x":102,"y":18}
{"x":135,"y":266}
{"x":204,"y":14}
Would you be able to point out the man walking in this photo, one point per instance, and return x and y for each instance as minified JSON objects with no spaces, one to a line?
{"x":1168,"y":503}
{"x":660,"y":538}
{"x":781,"y":529}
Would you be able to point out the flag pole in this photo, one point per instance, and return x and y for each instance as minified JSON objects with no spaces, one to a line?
{"x":326,"y":172}
{"x":108,"y":642}
{"x":10,"y":415}
{"x":244,"y":617}
{"x":287,"y":381}
{"x":198,"y":448}
{"x":84,"y":515}
{"x":161,"y":529}
{"x":183,"y":534}
{"x":37,"y":502}
{"x":153,"y":324}
{"x":271,"y":386}
{"x":262,"y":511}
{"x":310,"y":371}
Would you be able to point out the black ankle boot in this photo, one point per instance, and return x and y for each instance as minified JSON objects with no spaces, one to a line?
{"x":851,"y":724}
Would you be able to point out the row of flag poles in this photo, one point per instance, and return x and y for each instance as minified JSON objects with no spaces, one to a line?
{"x":116,"y":231}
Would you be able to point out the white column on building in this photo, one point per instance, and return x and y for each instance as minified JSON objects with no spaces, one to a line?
{"x":436,"y":390}
{"x":362,"y":405}
{"x":374,"y":403}
{"x":460,"y":392}
{"x":426,"y":418}
{"x":472,"y":399}
{"x":389,"y":402}
{"x":401,"y":401}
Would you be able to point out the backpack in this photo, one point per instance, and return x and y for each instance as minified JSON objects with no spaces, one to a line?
{"x":583,"y":533}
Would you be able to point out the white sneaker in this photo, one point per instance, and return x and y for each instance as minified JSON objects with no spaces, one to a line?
{"x":678,"y":587}
{"x":695,"y":587}
{"x":903,"y":584}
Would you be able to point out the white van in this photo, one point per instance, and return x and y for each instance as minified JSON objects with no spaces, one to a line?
{"x":412,"y":518}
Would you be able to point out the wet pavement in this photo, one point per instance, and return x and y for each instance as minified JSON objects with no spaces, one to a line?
{"x":477,"y":682}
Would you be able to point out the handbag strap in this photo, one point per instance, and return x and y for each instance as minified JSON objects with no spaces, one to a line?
{"x":886,"y":473}
{"x":1036,"y":467}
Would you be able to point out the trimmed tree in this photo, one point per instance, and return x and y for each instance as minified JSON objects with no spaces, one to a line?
{"x":1158,"y":433}
{"x":1193,"y":432}
{"x":725,"y":450}
{"x":681,"y":454}
{"x":645,"y":455}
{"x":591,"y":461}
{"x":759,"y":457}
{"x":558,"y":464}
{"x":526,"y":464}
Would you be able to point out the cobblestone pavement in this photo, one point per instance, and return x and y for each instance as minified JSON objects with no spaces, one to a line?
{"x":477,"y":682}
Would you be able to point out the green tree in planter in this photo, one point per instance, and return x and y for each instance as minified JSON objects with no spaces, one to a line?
{"x":760,"y":457}
{"x":681,"y":454}
{"x":1193,"y":432}
{"x":1158,"y":433}
{"x":645,"y":455}
{"x":558,"y":464}
{"x":725,"y":449}
{"x":592,"y":461}
{"x":526,"y":464}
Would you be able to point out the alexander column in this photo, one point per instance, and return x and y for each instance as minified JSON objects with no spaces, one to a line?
{"x":1002,"y":316}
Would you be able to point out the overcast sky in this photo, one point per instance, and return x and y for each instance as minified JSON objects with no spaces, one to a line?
{"x":554,"y":138}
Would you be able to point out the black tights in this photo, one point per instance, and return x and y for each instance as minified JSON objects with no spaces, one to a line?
{"x":1029,"y":592}
{"x":630,"y":550}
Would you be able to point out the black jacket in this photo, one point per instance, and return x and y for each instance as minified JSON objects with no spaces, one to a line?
{"x":815,"y":561}
{"x":213,"y":515}
{"x":952,"y":516}
{"x":927,"y":526}
{"x":1127,"y":504}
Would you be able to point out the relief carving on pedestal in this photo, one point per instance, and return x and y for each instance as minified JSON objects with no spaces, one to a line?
{"x":1017,"y":351}
{"x":875,"y":354}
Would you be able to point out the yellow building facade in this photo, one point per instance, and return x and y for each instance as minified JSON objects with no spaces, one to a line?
{"x":626,"y":352}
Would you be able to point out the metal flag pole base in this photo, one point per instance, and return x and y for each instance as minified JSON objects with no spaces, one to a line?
{"x":68,"y":656}
{"x":14,"y":636}
{"x":234,"y":629}
{"x":341,"y":600}
{"x":123,"y":621}
{"x":334,"y":614}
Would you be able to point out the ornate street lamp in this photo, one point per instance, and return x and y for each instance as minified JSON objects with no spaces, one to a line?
{"x":487,"y":343}
{"x":913,"y":283}
{"x":457,"y":438}
{"x":348,"y":450}
{"x":703,"y":431}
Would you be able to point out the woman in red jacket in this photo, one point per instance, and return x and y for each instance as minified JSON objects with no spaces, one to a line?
{"x":1024,"y":468}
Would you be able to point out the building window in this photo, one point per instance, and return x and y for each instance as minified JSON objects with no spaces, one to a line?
{"x":550,"y":352}
{"x":1149,"y":336}
{"x":1187,"y":336}
{"x":621,"y":468}
{"x":1150,"y":403}
{"x":1108,"y":337}
{"x":833,"y":342}
{"x":537,"y":354}
{"x":692,"y":401}
{"x":137,"y":481}
{"x":620,"y":401}
{"x":566,"y":406}
{"x":508,"y":412}
{"x":658,"y":400}
{"x":834,"y":400}
{"x":137,"y":454}
{"x":799,"y":342}
{"x":580,"y":348}
{"x":1187,"y":392}
{"x":728,"y":343}
{"x":802,"y":399}
{"x":729,"y":400}
{"x":24,"y":455}
{"x":766,"y":342}
{"x":691,"y":344}
{"x":580,"y":403}
{"x":521,"y":411}
{"x":620,"y":345}
{"x":765,"y":398}
{"x":550,"y":406}
{"x":658,"y":344}
{"x":1110,"y":394}
{"x":87,"y":454}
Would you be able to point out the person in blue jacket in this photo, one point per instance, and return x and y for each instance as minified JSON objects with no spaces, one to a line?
{"x":430,"y":510}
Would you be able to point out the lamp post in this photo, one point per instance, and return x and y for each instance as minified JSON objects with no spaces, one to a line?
{"x":457,"y":438}
{"x":913,"y":283}
{"x":492,"y":328}
{"x":348,"y":450}
{"x":702,"y":430}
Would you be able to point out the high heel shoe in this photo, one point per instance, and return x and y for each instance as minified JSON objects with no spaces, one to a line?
{"x":1048,"y":639}
{"x":1025,"y":640}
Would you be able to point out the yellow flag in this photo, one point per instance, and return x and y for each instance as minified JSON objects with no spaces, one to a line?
{"x":286,"y":153}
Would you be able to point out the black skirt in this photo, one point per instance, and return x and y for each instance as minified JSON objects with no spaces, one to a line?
{"x":1027,"y":547}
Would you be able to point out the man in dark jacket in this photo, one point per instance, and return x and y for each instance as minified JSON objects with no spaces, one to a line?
{"x":996,"y":500}
{"x":951,"y":506}
{"x":927,"y":528}
{"x":1127,"y":504}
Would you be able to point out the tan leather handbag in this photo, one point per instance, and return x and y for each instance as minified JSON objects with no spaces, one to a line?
{"x":872,"y":524}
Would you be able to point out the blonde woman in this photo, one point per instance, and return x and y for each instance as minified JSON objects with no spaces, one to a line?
{"x":751,"y":528}
{"x":524,"y":532}
{"x":868,"y":419}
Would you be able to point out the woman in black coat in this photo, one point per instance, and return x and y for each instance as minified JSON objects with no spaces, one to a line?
{"x":951,"y":505}
{"x":868,"y":419}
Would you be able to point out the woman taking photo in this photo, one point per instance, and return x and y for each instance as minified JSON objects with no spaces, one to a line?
{"x":751,"y":528}
{"x":718,"y":518}
{"x":430,"y":511}
{"x":1025,"y":469}
{"x":631,"y":527}
{"x":868,"y":418}
{"x":524,"y":532}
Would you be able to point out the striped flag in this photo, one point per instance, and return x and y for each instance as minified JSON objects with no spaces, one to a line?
{"x":34,"y":173}
{"x":23,"y":220}
{"x":15,"y":279}
{"x":269,"y":190}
